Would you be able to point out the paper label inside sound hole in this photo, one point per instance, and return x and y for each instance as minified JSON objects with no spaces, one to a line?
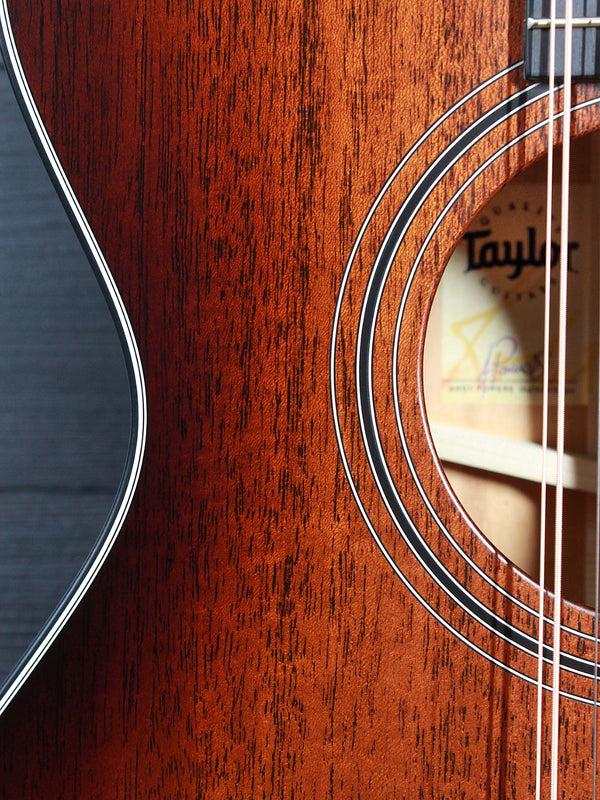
{"x":491,"y":299}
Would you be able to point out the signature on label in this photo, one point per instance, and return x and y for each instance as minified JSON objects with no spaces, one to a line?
{"x":502,"y":360}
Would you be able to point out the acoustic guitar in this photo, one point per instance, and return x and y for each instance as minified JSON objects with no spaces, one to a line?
{"x":292,"y":597}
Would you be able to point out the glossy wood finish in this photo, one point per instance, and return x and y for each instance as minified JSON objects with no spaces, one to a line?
{"x":246,"y":637}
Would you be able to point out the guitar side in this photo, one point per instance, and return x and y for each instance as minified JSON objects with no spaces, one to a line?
{"x":261,"y":626}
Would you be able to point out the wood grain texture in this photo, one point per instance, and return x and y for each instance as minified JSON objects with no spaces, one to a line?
{"x":246,"y":637}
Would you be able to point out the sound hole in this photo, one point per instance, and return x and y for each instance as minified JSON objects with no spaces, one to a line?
{"x":483,"y":372}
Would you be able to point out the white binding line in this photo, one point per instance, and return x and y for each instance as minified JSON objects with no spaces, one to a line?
{"x":336,"y":322}
{"x":406,"y":290}
{"x":107,"y":538}
{"x":332,"y":377}
{"x":360,"y":335}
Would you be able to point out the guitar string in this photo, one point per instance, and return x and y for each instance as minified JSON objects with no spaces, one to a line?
{"x":597,"y":564}
{"x":597,"y":561}
{"x":596,"y":576}
{"x":545,"y":399}
{"x":596,"y":580}
{"x":560,"y":412}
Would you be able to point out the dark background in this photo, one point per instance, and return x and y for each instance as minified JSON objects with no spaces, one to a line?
{"x":64,"y":401}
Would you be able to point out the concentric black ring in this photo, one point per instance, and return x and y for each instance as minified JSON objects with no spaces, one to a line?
{"x":364,"y":366}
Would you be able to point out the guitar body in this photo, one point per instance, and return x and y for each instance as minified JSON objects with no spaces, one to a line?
{"x":296,"y":606}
